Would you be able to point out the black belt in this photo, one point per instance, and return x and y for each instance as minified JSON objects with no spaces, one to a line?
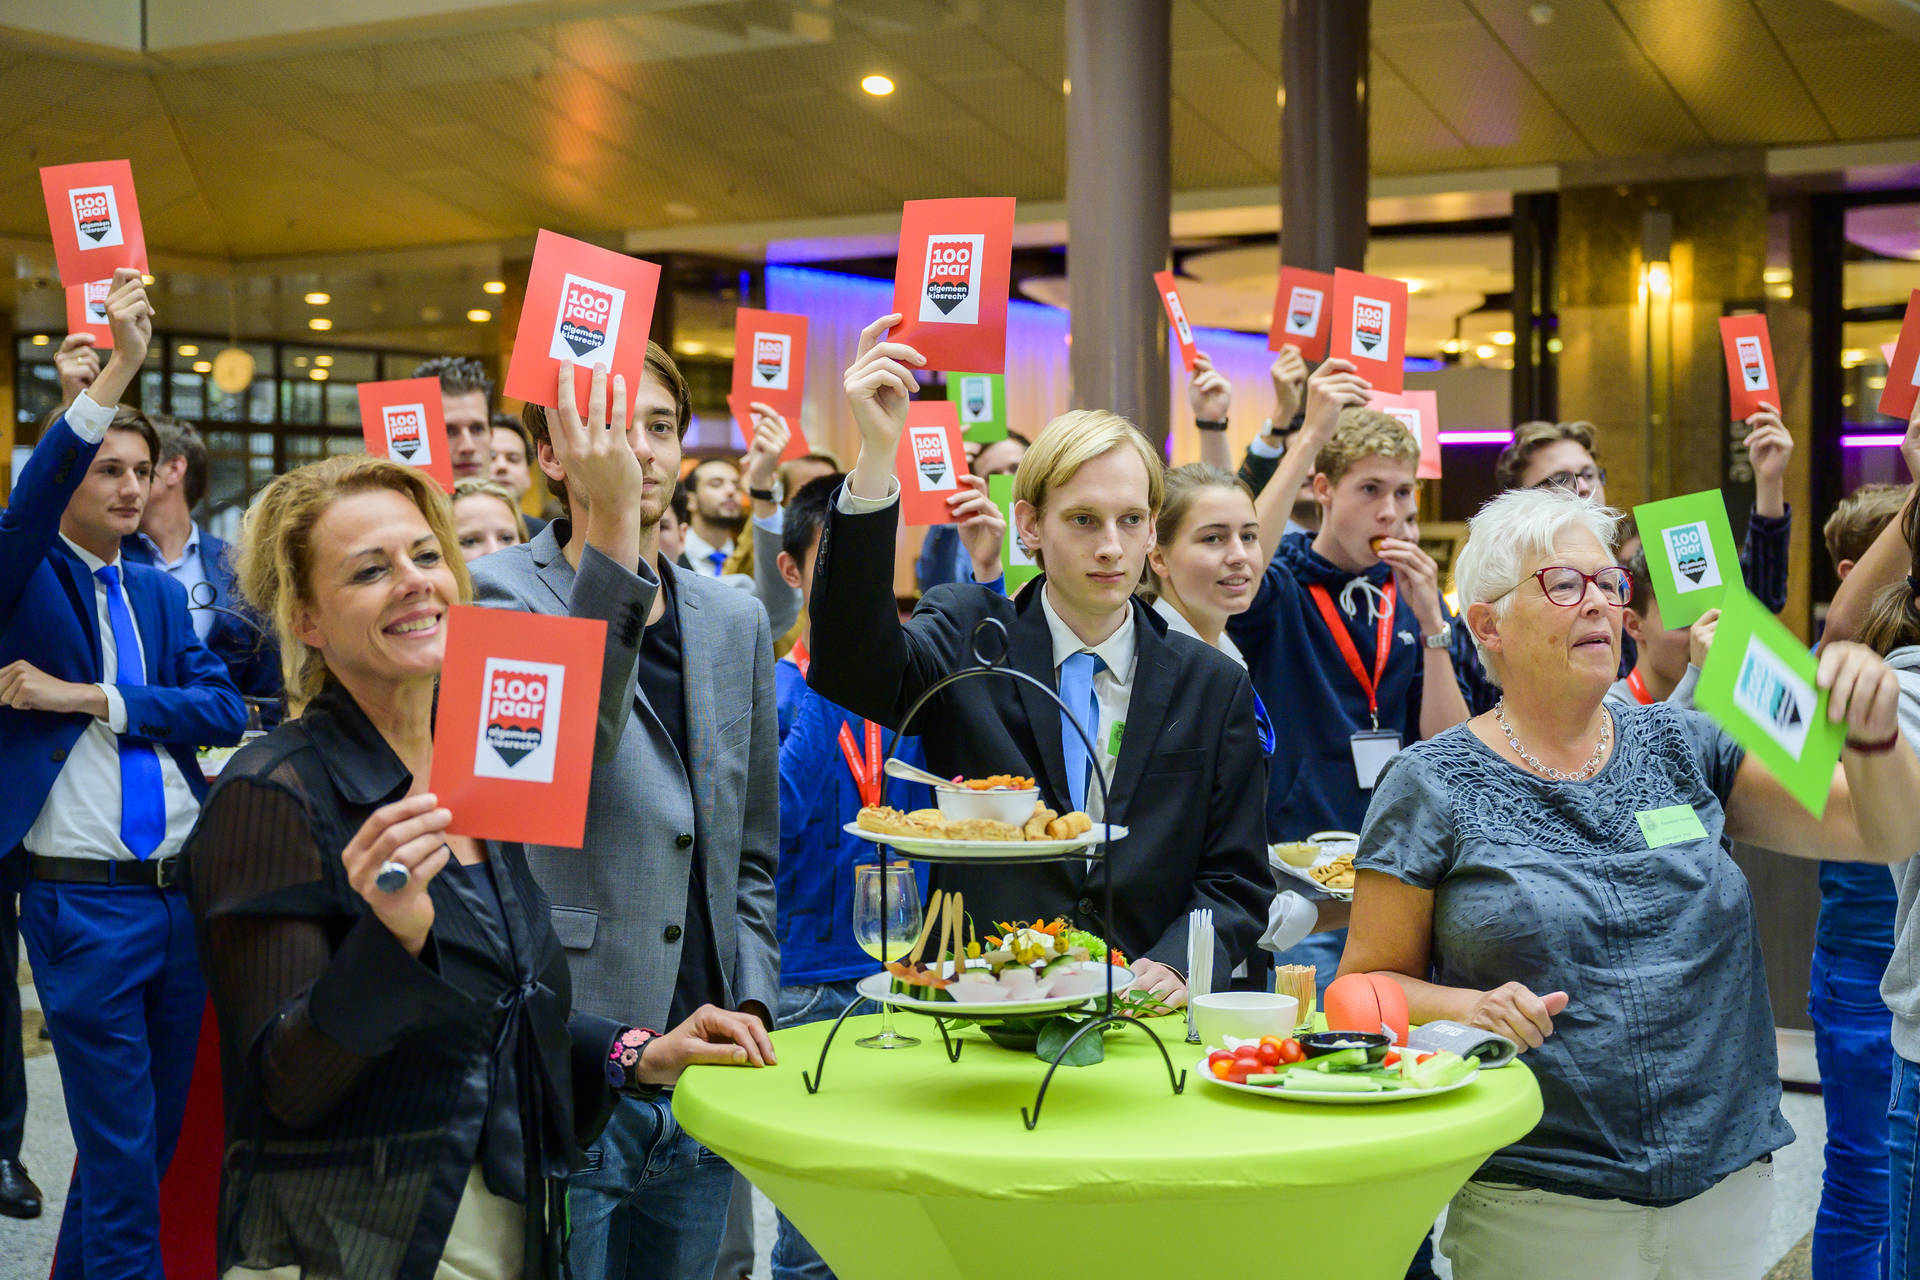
{"x":154,"y":873}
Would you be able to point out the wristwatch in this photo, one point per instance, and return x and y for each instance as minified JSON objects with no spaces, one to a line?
{"x":1210,"y":424}
{"x":1438,"y":640}
{"x":762,"y":495}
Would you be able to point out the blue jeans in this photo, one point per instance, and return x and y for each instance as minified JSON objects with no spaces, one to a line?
{"x":793,"y":1257}
{"x":1853,"y":1039}
{"x":120,"y":983}
{"x":1903,"y":1165}
{"x":651,"y":1203}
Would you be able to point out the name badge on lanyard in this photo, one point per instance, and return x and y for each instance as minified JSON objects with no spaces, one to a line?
{"x":1372,"y":748}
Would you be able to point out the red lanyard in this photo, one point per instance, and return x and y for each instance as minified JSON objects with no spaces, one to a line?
{"x":1344,"y":643}
{"x":1639,"y":688}
{"x":866,"y":775}
{"x":801,"y":657}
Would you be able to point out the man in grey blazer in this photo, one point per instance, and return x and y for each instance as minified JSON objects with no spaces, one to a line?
{"x":670,"y":903}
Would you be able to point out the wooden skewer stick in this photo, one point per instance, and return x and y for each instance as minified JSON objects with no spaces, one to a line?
{"x":926,"y":929}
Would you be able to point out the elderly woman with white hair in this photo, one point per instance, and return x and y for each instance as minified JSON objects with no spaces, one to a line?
{"x":1506,"y":881}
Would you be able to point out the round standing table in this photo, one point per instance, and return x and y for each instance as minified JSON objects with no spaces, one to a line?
{"x":905,"y":1164}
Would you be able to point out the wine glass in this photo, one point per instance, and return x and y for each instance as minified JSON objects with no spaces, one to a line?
{"x":886,"y":923}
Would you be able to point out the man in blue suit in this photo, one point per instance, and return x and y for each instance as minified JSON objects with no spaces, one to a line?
{"x":171,"y":540}
{"x":105,"y":691}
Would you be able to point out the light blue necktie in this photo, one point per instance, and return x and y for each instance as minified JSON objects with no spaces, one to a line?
{"x":719,"y":559}
{"x":1076,"y":690}
{"x":143,"y":800}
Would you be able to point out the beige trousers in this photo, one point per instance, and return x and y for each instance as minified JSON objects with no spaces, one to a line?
{"x":486,"y":1242}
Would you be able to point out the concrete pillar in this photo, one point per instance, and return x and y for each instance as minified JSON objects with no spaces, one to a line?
{"x":1323,"y":134}
{"x":1118,"y":204}
{"x":1642,"y":358}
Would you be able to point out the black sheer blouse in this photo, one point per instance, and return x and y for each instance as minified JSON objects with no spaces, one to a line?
{"x":362,"y":1083}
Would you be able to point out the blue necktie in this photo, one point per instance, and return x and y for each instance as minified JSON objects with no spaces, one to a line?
{"x":1076,"y":690}
{"x":143,"y":800}
{"x":719,"y":559}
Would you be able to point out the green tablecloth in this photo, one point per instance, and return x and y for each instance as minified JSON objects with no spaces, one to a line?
{"x":907,"y":1165}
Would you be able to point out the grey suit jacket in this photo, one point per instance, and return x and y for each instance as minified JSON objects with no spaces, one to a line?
{"x":619,"y":902}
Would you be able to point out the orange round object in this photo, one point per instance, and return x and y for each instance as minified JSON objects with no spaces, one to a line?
{"x":1366,"y":1002}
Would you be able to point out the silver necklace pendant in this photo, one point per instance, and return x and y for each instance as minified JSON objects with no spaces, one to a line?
{"x":1547,"y":771}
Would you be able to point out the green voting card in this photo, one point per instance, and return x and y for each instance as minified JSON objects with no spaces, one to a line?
{"x":1690,"y":554}
{"x":982,"y":399}
{"x":1019,"y":566}
{"x":1758,"y":685}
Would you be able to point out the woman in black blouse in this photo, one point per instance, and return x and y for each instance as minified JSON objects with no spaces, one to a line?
{"x":404,"y":1079}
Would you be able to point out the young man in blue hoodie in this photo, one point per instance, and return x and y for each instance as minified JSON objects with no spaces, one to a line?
{"x":1348,"y":632}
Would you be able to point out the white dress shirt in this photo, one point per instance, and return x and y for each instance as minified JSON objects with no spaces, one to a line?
{"x":1177,"y":622}
{"x":699,"y":553}
{"x":81,"y":815}
{"x":190,"y":571}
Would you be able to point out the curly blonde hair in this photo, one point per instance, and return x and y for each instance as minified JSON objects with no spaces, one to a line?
{"x":274,"y":559}
{"x":1365,"y":433}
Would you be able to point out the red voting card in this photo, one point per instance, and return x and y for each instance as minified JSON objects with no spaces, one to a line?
{"x":513,"y":737}
{"x":950,"y":284}
{"x":770,"y":360}
{"x":741,"y":407}
{"x":1370,"y":327}
{"x":95,"y":220}
{"x":1903,"y":369}
{"x":403,"y":420}
{"x":87,"y":311}
{"x":1750,"y":371}
{"x":1420,"y":410}
{"x":931,"y":462}
{"x":1301,"y":313}
{"x":1176,"y":317}
{"x":585,"y":304}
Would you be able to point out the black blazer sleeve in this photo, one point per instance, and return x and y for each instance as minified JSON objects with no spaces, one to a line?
{"x":863,"y":658}
{"x":1232,"y":878}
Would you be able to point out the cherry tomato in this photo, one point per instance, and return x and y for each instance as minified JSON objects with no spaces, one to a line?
{"x":1247,"y":1053}
{"x":1275,"y":1041}
{"x":1269,"y":1054}
{"x":1237,"y":1074}
{"x":1290,"y":1051}
{"x":1223,"y":1070}
{"x":1219,"y":1056}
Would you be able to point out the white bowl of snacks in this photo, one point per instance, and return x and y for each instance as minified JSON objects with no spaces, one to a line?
{"x":1001,"y":798}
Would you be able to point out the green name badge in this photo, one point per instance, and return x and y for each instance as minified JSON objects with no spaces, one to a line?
{"x":1671,"y":825}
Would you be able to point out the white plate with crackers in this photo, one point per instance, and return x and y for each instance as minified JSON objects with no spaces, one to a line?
{"x":988,"y":850}
{"x":1323,"y":861}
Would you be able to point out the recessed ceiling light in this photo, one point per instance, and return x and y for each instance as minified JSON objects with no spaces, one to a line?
{"x":146,"y":280}
{"x":479,"y":315}
{"x":41,"y":339}
{"x":1453,"y":346}
{"x":689,"y":347}
{"x":1777,"y":275}
{"x":494,"y":286}
{"x":320,"y":323}
{"x":318,"y":375}
{"x":878,"y":86}
{"x":325,"y":362}
{"x":203,"y":366}
{"x":299,"y":362}
{"x":189,"y":350}
{"x":1503,"y":338}
{"x":1415,"y":286}
{"x":319,"y":299}
{"x":1484,"y":352}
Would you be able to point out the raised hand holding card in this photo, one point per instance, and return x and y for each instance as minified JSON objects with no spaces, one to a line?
{"x":1750,"y":370}
{"x":95,"y":220}
{"x":1176,"y":317}
{"x":87,"y":311}
{"x":513,"y":735}
{"x":585,"y":304}
{"x":950,"y":283}
{"x":741,"y":407}
{"x":1370,"y":327}
{"x":403,"y":420}
{"x":1301,"y":316}
{"x":930,"y":463}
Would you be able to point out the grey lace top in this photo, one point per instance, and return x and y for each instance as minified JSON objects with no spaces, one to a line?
{"x":1660,"y":1078}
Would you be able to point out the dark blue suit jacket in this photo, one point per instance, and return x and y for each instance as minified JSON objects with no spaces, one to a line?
{"x":48,"y":618}
{"x":252,"y":657}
